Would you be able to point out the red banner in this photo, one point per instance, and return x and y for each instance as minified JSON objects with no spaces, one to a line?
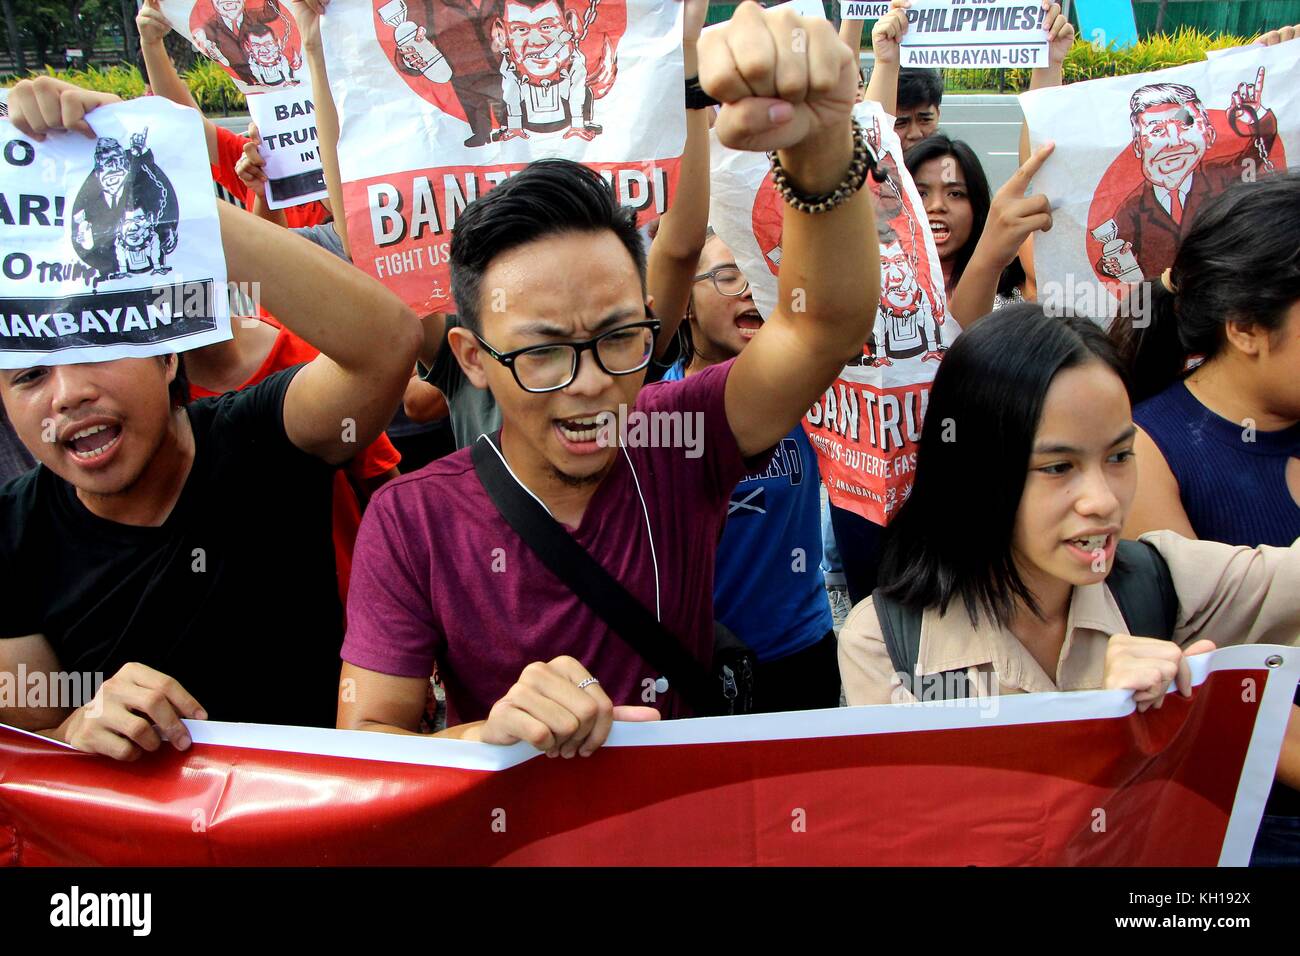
{"x":401,"y":224}
{"x":1045,"y":779}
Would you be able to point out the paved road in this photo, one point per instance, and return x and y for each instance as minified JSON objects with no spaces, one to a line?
{"x":991,"y":125}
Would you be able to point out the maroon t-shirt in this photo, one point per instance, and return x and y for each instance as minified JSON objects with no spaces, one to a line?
{"x":438,"y":575}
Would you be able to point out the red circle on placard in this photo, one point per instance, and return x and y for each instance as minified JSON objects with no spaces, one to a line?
{"x":1123,"y":177}
{"x":894,"y":215}
{"x":472,"y":43}
{"x":767,"y":220}
{"x":204,"y":16}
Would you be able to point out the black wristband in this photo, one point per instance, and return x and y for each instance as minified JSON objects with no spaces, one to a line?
{"x":696,"y":98}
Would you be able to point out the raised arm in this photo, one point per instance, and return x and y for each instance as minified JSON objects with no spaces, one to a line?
{"x":1013,"y":218}
{"x":308,"y":14}
{"x":793,"y":90}
{"x":166,"y":82}
{"x":885,"y":38}
{"x":851,"y":34}
{"x":368,"y":340}
{"x":675,"y":252}
{"x":1060,"y":37}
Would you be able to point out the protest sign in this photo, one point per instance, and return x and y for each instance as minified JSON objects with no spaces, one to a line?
{"x":1137,"y":156}
{"x":866,"y":427}
{"x":1053,"y":779}
{"x":111,"y":246}
{"x":427,"y":128}
{"x":255,"y":41}
{"x":989,"y":34}
{"x":286,"y":121}
{"x":1107,"y":23}
{"x":862,"y":10}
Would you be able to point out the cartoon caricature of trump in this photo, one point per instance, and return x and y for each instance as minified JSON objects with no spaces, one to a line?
{"x":544,"y":77}
{"x":1172,"y":135}
{"x":906,"y":323}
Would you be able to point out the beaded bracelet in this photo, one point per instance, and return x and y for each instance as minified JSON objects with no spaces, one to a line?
{"x":864,"y":162}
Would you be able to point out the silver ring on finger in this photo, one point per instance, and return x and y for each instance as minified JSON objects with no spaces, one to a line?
{"x":587,"y":682}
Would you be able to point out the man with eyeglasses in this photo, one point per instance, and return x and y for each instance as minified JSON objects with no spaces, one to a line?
{"x":549,"y":277}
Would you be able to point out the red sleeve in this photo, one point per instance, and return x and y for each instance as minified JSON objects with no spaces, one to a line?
{"x":376,"y":460}
{"x":308,"y":214}
{"x":230,"y":146}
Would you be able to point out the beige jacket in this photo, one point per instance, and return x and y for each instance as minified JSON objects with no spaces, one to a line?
{"x":1231,"y":595}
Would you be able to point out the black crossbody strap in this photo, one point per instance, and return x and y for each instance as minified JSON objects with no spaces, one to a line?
{"x":581,"y":573}
{"x":1141,"y":585}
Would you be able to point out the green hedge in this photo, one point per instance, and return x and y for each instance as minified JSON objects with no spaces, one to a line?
{"x":216,"y":94}
{"x":210,"y":85}
{"x":1085,"y":62}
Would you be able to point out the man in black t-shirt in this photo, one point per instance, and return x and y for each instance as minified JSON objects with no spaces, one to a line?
{"x":186,"y":550}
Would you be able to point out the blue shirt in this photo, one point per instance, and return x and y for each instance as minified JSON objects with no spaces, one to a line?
{"x":1231,"y":478}
{"x":1232,"y":482}
{"x":768,"y":586}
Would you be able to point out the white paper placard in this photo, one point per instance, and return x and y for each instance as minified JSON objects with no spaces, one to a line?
{"x":109,"y":247}
{"x":975,"y":34}
{"x":286,"y":121}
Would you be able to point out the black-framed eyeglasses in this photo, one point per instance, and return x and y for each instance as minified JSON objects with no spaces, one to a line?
{"x":728,"y":280}
{"x":551,"y":367}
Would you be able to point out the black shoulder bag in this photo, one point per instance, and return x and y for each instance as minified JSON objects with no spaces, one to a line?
{"x":728,"y":690}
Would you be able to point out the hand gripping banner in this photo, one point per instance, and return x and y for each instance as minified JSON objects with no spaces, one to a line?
{"x":1033,"y":779}
{"x":439,"y":101}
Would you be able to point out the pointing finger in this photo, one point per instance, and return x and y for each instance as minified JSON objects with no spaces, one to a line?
{"x":1022,"y":176}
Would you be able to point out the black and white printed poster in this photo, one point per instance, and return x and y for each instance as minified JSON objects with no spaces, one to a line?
{"x":286,"y":121}
{"x":109,"y":245}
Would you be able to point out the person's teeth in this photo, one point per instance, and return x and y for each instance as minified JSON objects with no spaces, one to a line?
{"x":1093,"y":542}
{"x":579,"y":434}
{"x":87,"y":432}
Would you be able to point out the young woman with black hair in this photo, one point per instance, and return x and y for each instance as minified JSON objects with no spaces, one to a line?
{"x":1219,"y":446}
{"x":1006,"y":542}
{"x":978,"y":236}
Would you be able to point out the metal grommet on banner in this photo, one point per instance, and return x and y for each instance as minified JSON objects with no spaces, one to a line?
{"x":661,"y":685}
{"x":1274,"y":660}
